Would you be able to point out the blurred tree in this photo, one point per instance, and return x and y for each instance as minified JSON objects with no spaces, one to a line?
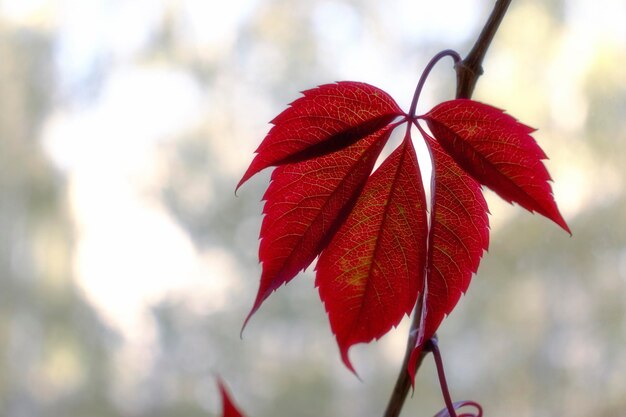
{"x":56,"y":354}
{"x":545,"y":312}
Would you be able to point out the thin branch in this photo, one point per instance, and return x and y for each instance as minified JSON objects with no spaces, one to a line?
{"x":403,"y":382}
{"x":468,"y":70}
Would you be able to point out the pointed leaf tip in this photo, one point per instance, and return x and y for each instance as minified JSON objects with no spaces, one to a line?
{"x":345,"y":358}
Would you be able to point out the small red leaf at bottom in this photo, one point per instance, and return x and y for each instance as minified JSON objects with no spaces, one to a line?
{"x":370,"y":274}
{"x":228,"y":406}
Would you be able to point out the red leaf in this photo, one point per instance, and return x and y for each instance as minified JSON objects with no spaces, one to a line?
{"x":327,"y":118}
{"x":496,"y":150}
{"x":304,"y":204}
{"x":228,"y":406}
{"x":458,"y":236}
{"x":370,"y":274}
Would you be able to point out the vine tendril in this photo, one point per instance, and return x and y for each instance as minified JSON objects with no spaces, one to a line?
{"x":451,"y":407}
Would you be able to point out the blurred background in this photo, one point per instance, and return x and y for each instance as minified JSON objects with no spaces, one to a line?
{"x":127,"y":265}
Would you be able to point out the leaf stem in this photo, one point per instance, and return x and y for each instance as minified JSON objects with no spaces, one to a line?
{"x":468,"y":70}
{"x":433,"y":346}
{"x":420,"y":85}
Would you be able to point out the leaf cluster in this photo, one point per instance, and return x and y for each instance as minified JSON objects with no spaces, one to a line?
{"x":381,"y":245}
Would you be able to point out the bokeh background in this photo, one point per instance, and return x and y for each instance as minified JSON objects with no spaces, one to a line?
{"x":127,"y":265}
